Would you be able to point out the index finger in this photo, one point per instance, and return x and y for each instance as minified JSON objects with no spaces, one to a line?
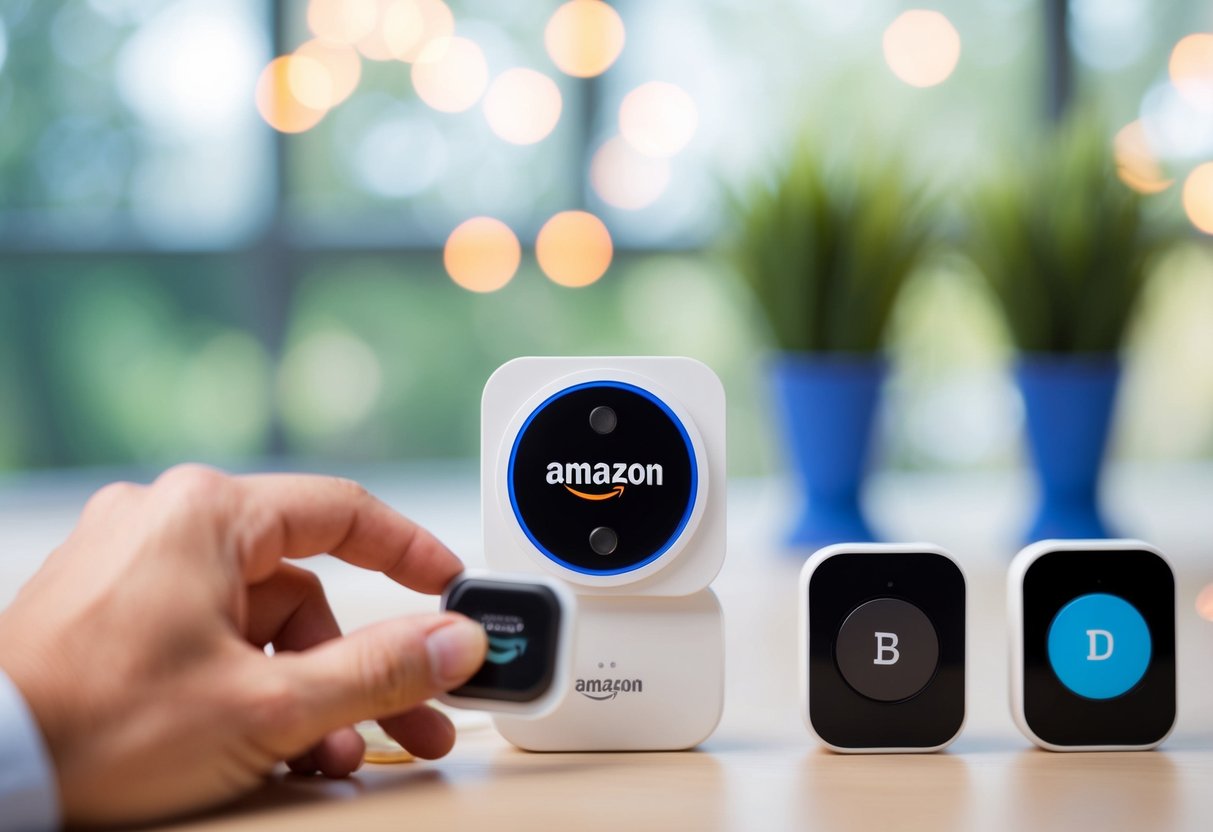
{"x":299,"y":515}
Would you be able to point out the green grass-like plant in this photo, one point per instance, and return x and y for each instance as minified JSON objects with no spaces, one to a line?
{"x":826,"y":246}
{"x":1063,"y":244}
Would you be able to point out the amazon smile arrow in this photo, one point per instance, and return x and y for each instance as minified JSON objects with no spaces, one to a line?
{"x":617,"y":491}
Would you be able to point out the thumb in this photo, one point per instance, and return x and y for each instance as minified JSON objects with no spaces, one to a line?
{"x":384,"y":669}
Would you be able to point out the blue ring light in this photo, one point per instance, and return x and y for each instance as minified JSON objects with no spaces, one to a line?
{"x":686,"y":515}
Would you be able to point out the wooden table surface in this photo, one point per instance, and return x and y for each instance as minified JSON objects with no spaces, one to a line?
{"x":761,"y":770}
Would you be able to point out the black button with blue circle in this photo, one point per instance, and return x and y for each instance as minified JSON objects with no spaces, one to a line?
{"x":603,"y":478}
{"x":1098,"y":646}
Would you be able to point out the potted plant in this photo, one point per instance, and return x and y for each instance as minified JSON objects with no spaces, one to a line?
{"x":826,"y":246}
{"x":1064,"y":246}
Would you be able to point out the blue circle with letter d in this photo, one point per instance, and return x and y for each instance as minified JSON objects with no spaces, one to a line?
{"x":1099,"y":646}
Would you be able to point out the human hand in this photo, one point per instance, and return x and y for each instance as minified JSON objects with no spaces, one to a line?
{"x":139,"y":644}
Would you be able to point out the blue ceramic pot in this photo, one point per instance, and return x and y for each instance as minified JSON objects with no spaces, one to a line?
{"x":1068,"y":403}
{"x":828,"y":406}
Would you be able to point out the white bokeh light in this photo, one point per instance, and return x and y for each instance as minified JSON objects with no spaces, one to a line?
{"x":400,"y":154}
{"x":1110,"y":34}
{"x":191,"y":69}
{"x":1176,"y":128}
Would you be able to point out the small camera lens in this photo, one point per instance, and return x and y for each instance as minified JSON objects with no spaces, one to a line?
{"x":603,"y":420}
{"x":603,"y":540}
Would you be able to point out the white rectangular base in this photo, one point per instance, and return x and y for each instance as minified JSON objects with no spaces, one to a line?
{"x":648,"y":675}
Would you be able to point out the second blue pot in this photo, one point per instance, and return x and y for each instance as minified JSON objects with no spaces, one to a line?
{"x":828,"y":405}
{"x":1068,"y":404}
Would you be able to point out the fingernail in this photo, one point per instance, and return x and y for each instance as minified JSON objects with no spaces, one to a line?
{"x":456,"y":651}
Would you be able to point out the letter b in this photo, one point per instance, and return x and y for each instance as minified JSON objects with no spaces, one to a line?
{"x":886,"y":649}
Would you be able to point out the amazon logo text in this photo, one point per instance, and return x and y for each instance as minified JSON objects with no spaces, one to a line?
{"x":602,"y":690}
{"x":615,"y":475}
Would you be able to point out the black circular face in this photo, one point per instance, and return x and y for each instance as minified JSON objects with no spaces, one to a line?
{"x":603,"y":502}
{"x":887,"y":649}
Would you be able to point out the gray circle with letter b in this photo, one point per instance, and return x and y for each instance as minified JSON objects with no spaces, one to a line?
{"x":887,"y":649}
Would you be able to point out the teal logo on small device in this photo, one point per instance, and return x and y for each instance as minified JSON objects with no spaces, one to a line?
{"x":1099,"y":646}
{"x":504,"y":650}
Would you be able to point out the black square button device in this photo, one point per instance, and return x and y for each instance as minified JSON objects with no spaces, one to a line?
{"x":529,"y":621}
{"x":1092,"y":644}
{"x":882,"y":647}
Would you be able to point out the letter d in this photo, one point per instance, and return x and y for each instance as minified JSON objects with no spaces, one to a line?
{"x":1094,"y":655}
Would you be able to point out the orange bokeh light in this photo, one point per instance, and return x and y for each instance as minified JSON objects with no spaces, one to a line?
{"x":345,"y":21}
{"x":921,"y":47}
{"x":625,"y":178}
{"x":404,"y":29}
{"x":1204,"y":603}
{"x":277,"y":101}
{"x":1191,"y":69}
{"x":658,"y":119}
{"x":1198,"y":197}
{"x":522,"y":106}
{"x":482,"y":254}
{"x":450,"y":75}
{"x":574,"y":248}
{"x":341,"y":63}
{"x":1136,"y":164}
{"x":584,"y":37}
{"x":310,"y":82}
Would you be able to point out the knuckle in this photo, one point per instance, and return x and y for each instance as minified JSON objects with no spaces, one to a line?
{"x":351,"y":489}
{"x":111,"y":496}
{"x":191,"y":481}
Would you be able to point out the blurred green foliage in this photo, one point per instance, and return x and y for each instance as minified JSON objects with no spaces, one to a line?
{"x":827,"y":243}
{"x":1062,"y":243}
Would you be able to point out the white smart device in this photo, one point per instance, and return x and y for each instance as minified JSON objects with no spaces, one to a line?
{"x":608,"y":474}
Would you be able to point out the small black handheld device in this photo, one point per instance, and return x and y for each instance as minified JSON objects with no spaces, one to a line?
{"x":882,"y":647}
{"x":529,"y":622}
{"x":1092,"y":645}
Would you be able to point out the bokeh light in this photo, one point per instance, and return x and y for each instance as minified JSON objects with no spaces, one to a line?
{"x":414,"y":28}
{"x":658,"y":119}
{"x":223,"y":389}
{"x":1204,"y":603}
{"x":404,"y":28}
{"x":625,"y":178}
{"x":454,"y":80}
{"x":342,"y":66}
{"x":400,"y":153}
{"x":482,"y":254}
{"x":584,"y":37}
{"x":345,"y":21}
{"x":1136,"y":164}
{"x":310,"y":82}
{"x":187,"y":71}
{"x":1198,"y":197}
{"x":329,"y":382}
{"x":1191,"y":69}
{"x":921,"y":47}
{"x":276,"y":99}
{"x":522,"y":106}
{"x":373,"y":43}
{"x":574,"y":248}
